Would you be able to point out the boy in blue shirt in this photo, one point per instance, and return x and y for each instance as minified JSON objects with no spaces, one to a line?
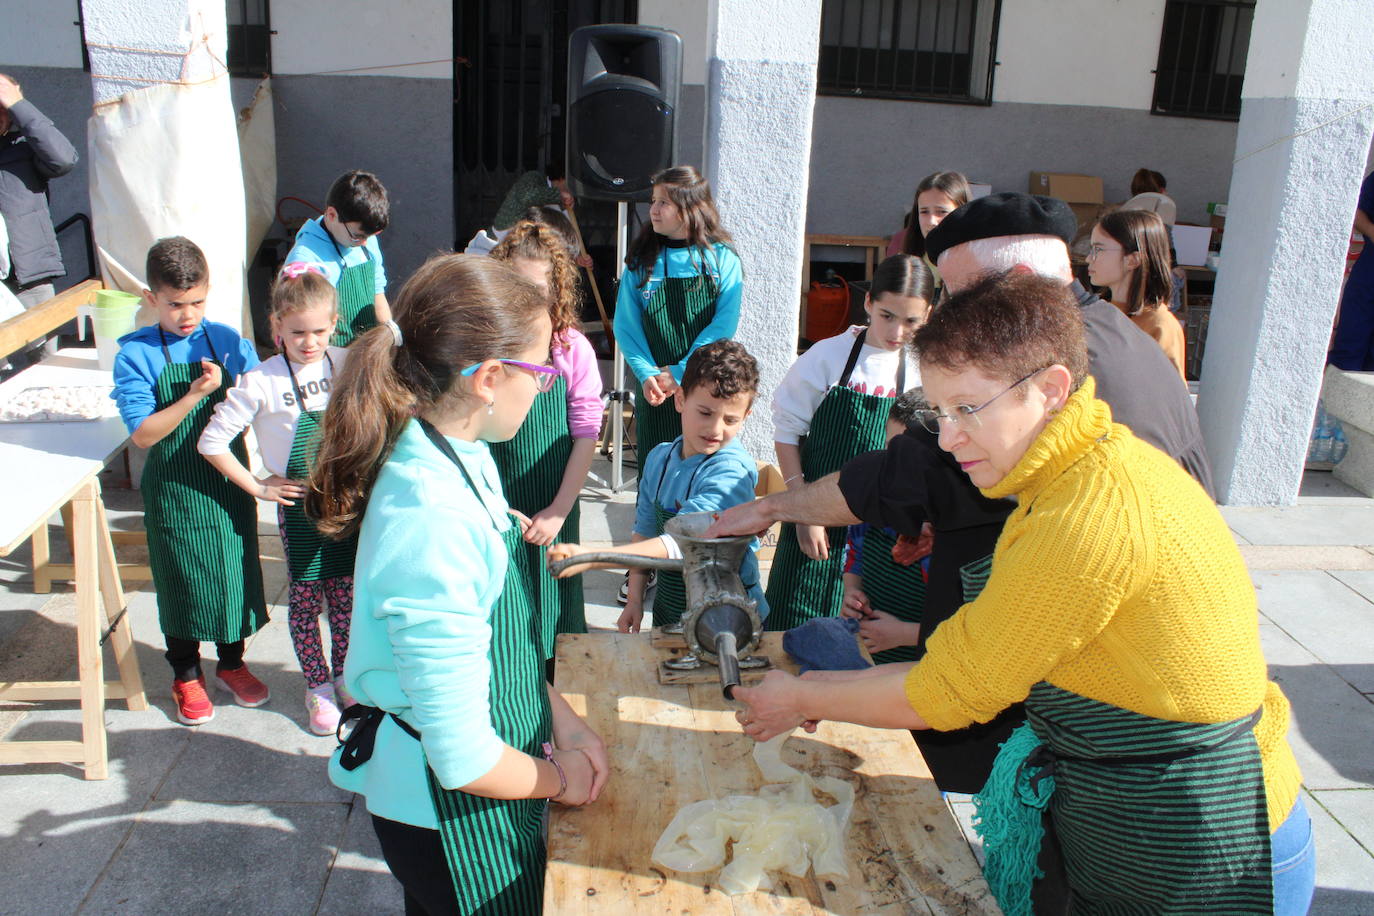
{"x":343,"y":242}
{"x":202,"y":529}
{"x":702,"y":470}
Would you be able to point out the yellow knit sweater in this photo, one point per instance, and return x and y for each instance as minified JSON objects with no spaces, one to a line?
{"x":1115,"y":578}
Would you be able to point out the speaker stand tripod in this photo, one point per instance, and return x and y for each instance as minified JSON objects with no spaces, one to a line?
{"x":619,"y":395}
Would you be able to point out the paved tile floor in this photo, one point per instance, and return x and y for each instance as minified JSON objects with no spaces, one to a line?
{"x":236,"y":816}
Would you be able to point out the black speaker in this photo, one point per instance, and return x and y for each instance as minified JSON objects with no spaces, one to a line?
{"x":623,"y":83}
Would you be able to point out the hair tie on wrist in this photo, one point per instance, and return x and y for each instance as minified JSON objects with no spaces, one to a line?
{"x":395,"y":331}
{"x":562,"y":777}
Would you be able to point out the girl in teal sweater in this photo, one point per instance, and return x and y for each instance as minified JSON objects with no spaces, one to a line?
{"x":458,"y":740}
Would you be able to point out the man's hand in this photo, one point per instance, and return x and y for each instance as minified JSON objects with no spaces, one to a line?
{"x":9,"y":92}
{"x":746,"y":518}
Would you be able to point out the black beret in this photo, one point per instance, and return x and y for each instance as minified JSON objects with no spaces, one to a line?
{"x":1007,"y":213}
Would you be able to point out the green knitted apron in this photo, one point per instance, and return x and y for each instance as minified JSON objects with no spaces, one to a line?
{"x":202,"y":529}
{"x":891,"y":587}
{"x":847,"y":423}
{"x":675,"y":313}
{"x":1152,"y":816}
{"x":357,"y":289}
{"x":532,"y":466}
{"x":495,"y":847}
{"x":310,"y":556}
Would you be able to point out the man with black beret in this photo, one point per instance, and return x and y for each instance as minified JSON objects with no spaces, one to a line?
{"x":912,"y":481}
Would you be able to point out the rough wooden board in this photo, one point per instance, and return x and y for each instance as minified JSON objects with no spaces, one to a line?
{"x":661,"y":640}
{"x":672,"y":745}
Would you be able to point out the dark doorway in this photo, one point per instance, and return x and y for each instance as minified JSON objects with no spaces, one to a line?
{"x":510,"y":92}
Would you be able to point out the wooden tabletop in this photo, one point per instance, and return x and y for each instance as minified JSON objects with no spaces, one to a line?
{"x":46,"y":463}
{"x":674,"y":745}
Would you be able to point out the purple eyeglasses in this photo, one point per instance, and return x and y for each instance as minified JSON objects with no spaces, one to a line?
{"x":544,"y":376}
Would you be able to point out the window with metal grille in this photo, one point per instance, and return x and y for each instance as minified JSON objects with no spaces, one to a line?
{"x":1202,"y":51}
{"x":250,"y":38}
{"x":928,"y":50}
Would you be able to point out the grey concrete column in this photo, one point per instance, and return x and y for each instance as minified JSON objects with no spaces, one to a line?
{"x":1304,"y":134}
{"x":761,"y":91}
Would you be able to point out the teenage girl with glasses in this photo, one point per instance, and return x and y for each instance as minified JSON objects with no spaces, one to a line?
{"x":459,"y":739}
{"x":1130,"y":255}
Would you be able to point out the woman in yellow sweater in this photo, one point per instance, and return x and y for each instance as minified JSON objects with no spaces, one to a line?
{"x":1119,"y":610}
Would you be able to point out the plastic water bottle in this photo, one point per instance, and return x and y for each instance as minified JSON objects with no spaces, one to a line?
{"x":1320,"y":448}
{"x":1338,"y":444}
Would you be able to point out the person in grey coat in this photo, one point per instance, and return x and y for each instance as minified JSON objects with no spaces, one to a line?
{"x":32,"y":153}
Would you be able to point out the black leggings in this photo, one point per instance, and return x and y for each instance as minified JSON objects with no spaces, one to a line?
{"x":184,"y":657}
{"x":415,"y":856}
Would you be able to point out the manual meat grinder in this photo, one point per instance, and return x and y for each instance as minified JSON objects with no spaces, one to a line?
{"x":721,"y":624}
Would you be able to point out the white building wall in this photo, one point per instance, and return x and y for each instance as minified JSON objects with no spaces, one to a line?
{"x":363,"y":37}
{"x":39,"y":33}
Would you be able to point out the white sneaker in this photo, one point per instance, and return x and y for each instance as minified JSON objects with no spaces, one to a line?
{"x":322,"y":709}
{"x":623,"y":596}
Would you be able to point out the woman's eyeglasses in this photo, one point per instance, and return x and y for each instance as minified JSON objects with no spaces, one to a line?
{"x":544,"y":376}
{"x":962,"y":416}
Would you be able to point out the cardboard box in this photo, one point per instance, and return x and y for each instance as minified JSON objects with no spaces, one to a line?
{"x":1190,"y":244}
{"x":770,"y":481}
{"x":1073,"y":189}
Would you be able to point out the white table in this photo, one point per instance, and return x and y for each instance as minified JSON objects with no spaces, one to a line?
{"x":48,"y":466}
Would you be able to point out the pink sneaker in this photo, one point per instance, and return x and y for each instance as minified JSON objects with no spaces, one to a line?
{"x":322,"y":709}
{"x":342,"y":697}
{"x":246,"y":689}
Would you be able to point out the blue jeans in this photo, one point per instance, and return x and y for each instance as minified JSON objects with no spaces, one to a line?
{"x":1295,"y":863}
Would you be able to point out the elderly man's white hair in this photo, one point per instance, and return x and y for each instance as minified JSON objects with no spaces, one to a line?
{"x":1046,"y":255}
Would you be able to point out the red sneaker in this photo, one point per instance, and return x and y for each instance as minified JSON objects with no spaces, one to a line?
{"x":193,"y":703}
{"x":246,"y":689}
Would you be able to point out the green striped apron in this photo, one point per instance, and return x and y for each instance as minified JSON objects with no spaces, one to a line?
{"x":202,"y":529}
{"x":532,"y":465}
{"x":495,"y":847}
{"x":893,"y":588}
{"x":357,"y":289}
{"x":847,"y":423}
{"x":310,"y":556}
{"x":676,"y":311}
{"x":1152,"y":816}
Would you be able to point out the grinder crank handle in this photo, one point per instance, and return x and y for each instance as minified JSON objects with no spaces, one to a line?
{"x":614,"y":558}
{"x":727,"y":660}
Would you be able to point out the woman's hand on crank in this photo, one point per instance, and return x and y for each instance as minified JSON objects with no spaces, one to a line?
{"x":281,"y":490}
{"x":771,"y":708}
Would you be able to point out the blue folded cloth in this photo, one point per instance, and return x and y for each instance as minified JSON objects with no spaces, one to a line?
{"x":825,"y":644}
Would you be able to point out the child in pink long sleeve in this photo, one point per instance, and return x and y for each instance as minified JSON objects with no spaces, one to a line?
{"x":544,"y":466}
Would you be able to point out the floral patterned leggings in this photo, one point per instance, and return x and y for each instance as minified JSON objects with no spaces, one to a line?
{"x":304,"y":602}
